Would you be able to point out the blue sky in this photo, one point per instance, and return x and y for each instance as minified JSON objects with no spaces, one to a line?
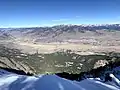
{"x":25,"y":13}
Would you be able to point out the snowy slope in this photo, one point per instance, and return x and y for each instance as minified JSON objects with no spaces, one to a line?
{"x":10,"y":81}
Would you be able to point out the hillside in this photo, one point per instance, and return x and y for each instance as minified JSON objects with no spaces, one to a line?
{"x":11,"y":81}
{"x":59,"y":53}
{"x":62,"y":48}
{"x":85,"y":38}
{"x":66,"y":61}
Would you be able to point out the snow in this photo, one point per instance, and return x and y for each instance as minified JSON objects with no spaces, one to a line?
{"x":10,"y":81}
{"x":2,"y":72}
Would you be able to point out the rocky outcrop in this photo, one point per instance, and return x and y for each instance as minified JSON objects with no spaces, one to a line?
{"x":12,"y":64}
{"x":100,"y":63}
{"x":112,"y":67}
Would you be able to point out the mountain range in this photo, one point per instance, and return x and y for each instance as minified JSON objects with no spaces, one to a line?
{"x":62,"y":48}
{"x":90,"y":38}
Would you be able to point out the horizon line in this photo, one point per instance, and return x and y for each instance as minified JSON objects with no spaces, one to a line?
{"x":33,"y":26}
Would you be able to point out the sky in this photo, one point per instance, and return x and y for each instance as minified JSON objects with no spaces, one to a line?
{"x":27,"y":13}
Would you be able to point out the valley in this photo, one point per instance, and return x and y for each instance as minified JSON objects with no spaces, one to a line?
{"x":64,"y":48}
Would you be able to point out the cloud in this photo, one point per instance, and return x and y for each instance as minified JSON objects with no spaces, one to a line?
{"x":117,"y":22}
{"x":66,"y":19}
{"x":59,"y":20}
{"x":78,"y":16}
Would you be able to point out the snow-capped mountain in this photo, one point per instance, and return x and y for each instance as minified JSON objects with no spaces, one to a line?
{"x":11,"y":81}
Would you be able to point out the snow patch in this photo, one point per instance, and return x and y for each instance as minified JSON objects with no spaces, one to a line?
{"x":52,"y":82}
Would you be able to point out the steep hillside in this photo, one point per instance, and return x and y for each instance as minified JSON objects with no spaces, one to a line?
{"x":8,"y":60}
{"x":62,"y":48}
{"x":11,"y":81}
{"x":66,"y":61}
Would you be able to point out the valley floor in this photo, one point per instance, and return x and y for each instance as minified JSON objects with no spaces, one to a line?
{"x":81,"y":49}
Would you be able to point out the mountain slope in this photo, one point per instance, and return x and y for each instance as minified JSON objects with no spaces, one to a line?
{"x":11,"y":81}
{"x":88,"y":38}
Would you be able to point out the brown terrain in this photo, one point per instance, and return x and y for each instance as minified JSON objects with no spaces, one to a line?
{"x":81,"y":40}
{"x":52,"y":39}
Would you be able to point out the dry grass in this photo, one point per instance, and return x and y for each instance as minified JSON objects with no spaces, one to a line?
{"x":53,"y":47}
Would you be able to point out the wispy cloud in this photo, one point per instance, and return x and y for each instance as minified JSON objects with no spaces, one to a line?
{"x":78,"y":16}
{"x":58,"y":20}
{"x":66,"y":19}
{"x":117,"y":22}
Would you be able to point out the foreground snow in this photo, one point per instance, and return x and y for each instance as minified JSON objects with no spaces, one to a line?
{"x":10,"y":81}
